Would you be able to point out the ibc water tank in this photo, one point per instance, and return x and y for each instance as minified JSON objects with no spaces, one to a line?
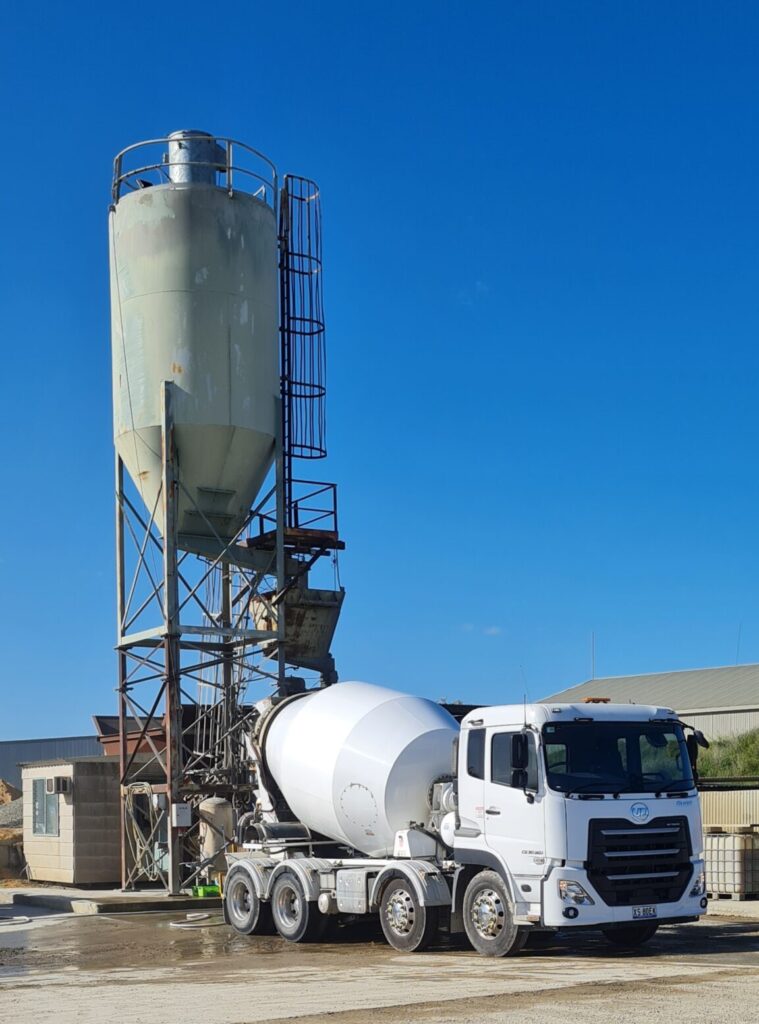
{"x":355,"y":761}
{"x":194,"y":300}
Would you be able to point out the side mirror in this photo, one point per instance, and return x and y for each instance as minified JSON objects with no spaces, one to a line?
{"x":701,"y":739}
{"x":520,"y":766}
{"x":692,"y":745}
{"x":519,"y":753}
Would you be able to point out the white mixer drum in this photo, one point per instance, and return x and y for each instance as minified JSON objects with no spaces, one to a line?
{"x":355,"y":761}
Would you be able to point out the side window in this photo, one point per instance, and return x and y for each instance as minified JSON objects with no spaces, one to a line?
{"x":500,"y":761}
{"x":475,"y":753}
{"x":500,"y":758}
{"x":44,"y":810}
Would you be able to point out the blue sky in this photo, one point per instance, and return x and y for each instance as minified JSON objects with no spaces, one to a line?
{"x":541,"y":293}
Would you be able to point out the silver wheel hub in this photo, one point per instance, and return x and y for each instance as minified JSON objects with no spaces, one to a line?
{"x":240,"y":899}
{"x":488,"y":913}
{"x":399,"y":911}
{"x":288,"y":906}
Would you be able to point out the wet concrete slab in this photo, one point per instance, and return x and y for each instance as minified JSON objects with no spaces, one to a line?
{"x":164,"y":968}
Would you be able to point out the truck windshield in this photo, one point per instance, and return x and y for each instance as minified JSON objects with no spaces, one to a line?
{"x":616,"y":757}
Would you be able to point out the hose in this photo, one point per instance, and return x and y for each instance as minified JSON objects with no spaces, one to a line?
{"x":141,"y":842}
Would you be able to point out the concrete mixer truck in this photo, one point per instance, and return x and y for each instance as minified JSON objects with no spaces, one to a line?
{"x":523,"y":818}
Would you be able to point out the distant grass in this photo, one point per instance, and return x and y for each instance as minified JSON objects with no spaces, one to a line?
{"x":734,"y":757}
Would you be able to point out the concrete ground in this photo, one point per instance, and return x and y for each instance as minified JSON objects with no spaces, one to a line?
{"x":132,"y":968}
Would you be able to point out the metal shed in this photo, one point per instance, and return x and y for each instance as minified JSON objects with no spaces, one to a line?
{"x":722,"y":702}
{"x":16,"y":752}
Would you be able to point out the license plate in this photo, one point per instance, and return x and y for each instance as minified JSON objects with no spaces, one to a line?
{"x":642,"y":912}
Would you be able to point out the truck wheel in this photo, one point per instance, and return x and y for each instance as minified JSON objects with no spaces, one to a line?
{"x":242,"y":907}
{"x":489,"y":917}
{"x":295,"y":918}
{"x":632,"y":936}
{"x":407,"y":925}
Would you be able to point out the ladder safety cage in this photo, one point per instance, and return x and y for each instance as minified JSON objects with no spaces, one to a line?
{"x":302,"y":335}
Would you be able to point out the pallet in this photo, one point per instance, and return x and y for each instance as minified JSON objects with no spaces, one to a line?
{"x":739,"y":896}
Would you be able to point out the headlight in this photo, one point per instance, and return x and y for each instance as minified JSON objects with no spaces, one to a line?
{"x":573,"y":892}
{"x":699,"y":886}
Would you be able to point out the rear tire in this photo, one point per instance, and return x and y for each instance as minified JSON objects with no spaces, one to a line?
{"x":243,"y":909}
{"x":632,"y":936}
{"x":406,"y":924}
{"x":489,"y":917}
{"x":295,"y":917}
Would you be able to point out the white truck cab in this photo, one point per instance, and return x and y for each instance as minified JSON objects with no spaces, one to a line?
{"x":588,"y":812}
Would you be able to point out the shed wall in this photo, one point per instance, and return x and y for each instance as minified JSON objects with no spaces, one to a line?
{"x":718,"y":725}
{"x":97,"y":840}
{"x":13,"y":752}
{"x":732,"y":807}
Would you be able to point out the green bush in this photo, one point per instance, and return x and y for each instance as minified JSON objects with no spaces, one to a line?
{"x":731,"y":758}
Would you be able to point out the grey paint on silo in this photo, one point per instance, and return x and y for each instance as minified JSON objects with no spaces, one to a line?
{"x":194,"y":300}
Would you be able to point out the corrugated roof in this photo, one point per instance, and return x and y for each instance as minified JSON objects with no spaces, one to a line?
{"x":736,"y":686}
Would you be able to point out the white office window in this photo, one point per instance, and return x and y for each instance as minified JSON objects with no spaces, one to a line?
{"x":44,"y":810}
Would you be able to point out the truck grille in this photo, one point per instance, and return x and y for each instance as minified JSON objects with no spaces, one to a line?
{"x":639,"y":863}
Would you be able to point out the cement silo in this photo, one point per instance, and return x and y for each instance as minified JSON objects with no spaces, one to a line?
{"x":194,"y":294}
{"x":218,"y":378}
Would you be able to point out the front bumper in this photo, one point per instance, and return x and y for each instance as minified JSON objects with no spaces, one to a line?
{"x":599,"y":915}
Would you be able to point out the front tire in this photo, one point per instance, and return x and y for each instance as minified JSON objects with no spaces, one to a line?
{"x":489,"y":917}
{"x":631,"y":936}
{"x":406,"y":924}
{"x":243,"y":909}
{"x":295,"y":917}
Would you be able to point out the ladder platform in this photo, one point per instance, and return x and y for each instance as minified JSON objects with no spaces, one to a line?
{"x":299,"y":539}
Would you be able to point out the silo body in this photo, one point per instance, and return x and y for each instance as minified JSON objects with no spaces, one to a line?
{"x":355,"y":761}
{"x":194,"y":301}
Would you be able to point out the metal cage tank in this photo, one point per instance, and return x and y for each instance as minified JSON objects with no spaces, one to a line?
{"x":194,"y":300}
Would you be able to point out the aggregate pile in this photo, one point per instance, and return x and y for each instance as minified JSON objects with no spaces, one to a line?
{"x":12,"y":814}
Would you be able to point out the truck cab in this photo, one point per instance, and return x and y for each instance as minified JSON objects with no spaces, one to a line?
{"x":586,"y":814}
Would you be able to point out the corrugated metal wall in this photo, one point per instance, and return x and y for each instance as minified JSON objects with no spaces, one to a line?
{"x":718,"y":725}
{"x":732,"y":807}
{"x":13,"y":752}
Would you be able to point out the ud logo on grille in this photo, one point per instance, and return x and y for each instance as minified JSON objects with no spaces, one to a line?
{"x":640,"y":812}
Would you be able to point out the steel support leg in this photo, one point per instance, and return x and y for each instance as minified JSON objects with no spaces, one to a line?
{"x":170,"y":497}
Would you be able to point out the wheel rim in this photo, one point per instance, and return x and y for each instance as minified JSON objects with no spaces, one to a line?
{"x":289,"y":906}
{"x":400,"y":912}
{"x":488,"y":914}
{"x":240,"y":899}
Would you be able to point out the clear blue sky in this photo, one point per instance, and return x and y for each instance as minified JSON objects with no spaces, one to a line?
{"x":541,"y":276}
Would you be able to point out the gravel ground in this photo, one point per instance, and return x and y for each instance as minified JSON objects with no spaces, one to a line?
{"x":12,"y":814}
{"x":139,"y":969}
